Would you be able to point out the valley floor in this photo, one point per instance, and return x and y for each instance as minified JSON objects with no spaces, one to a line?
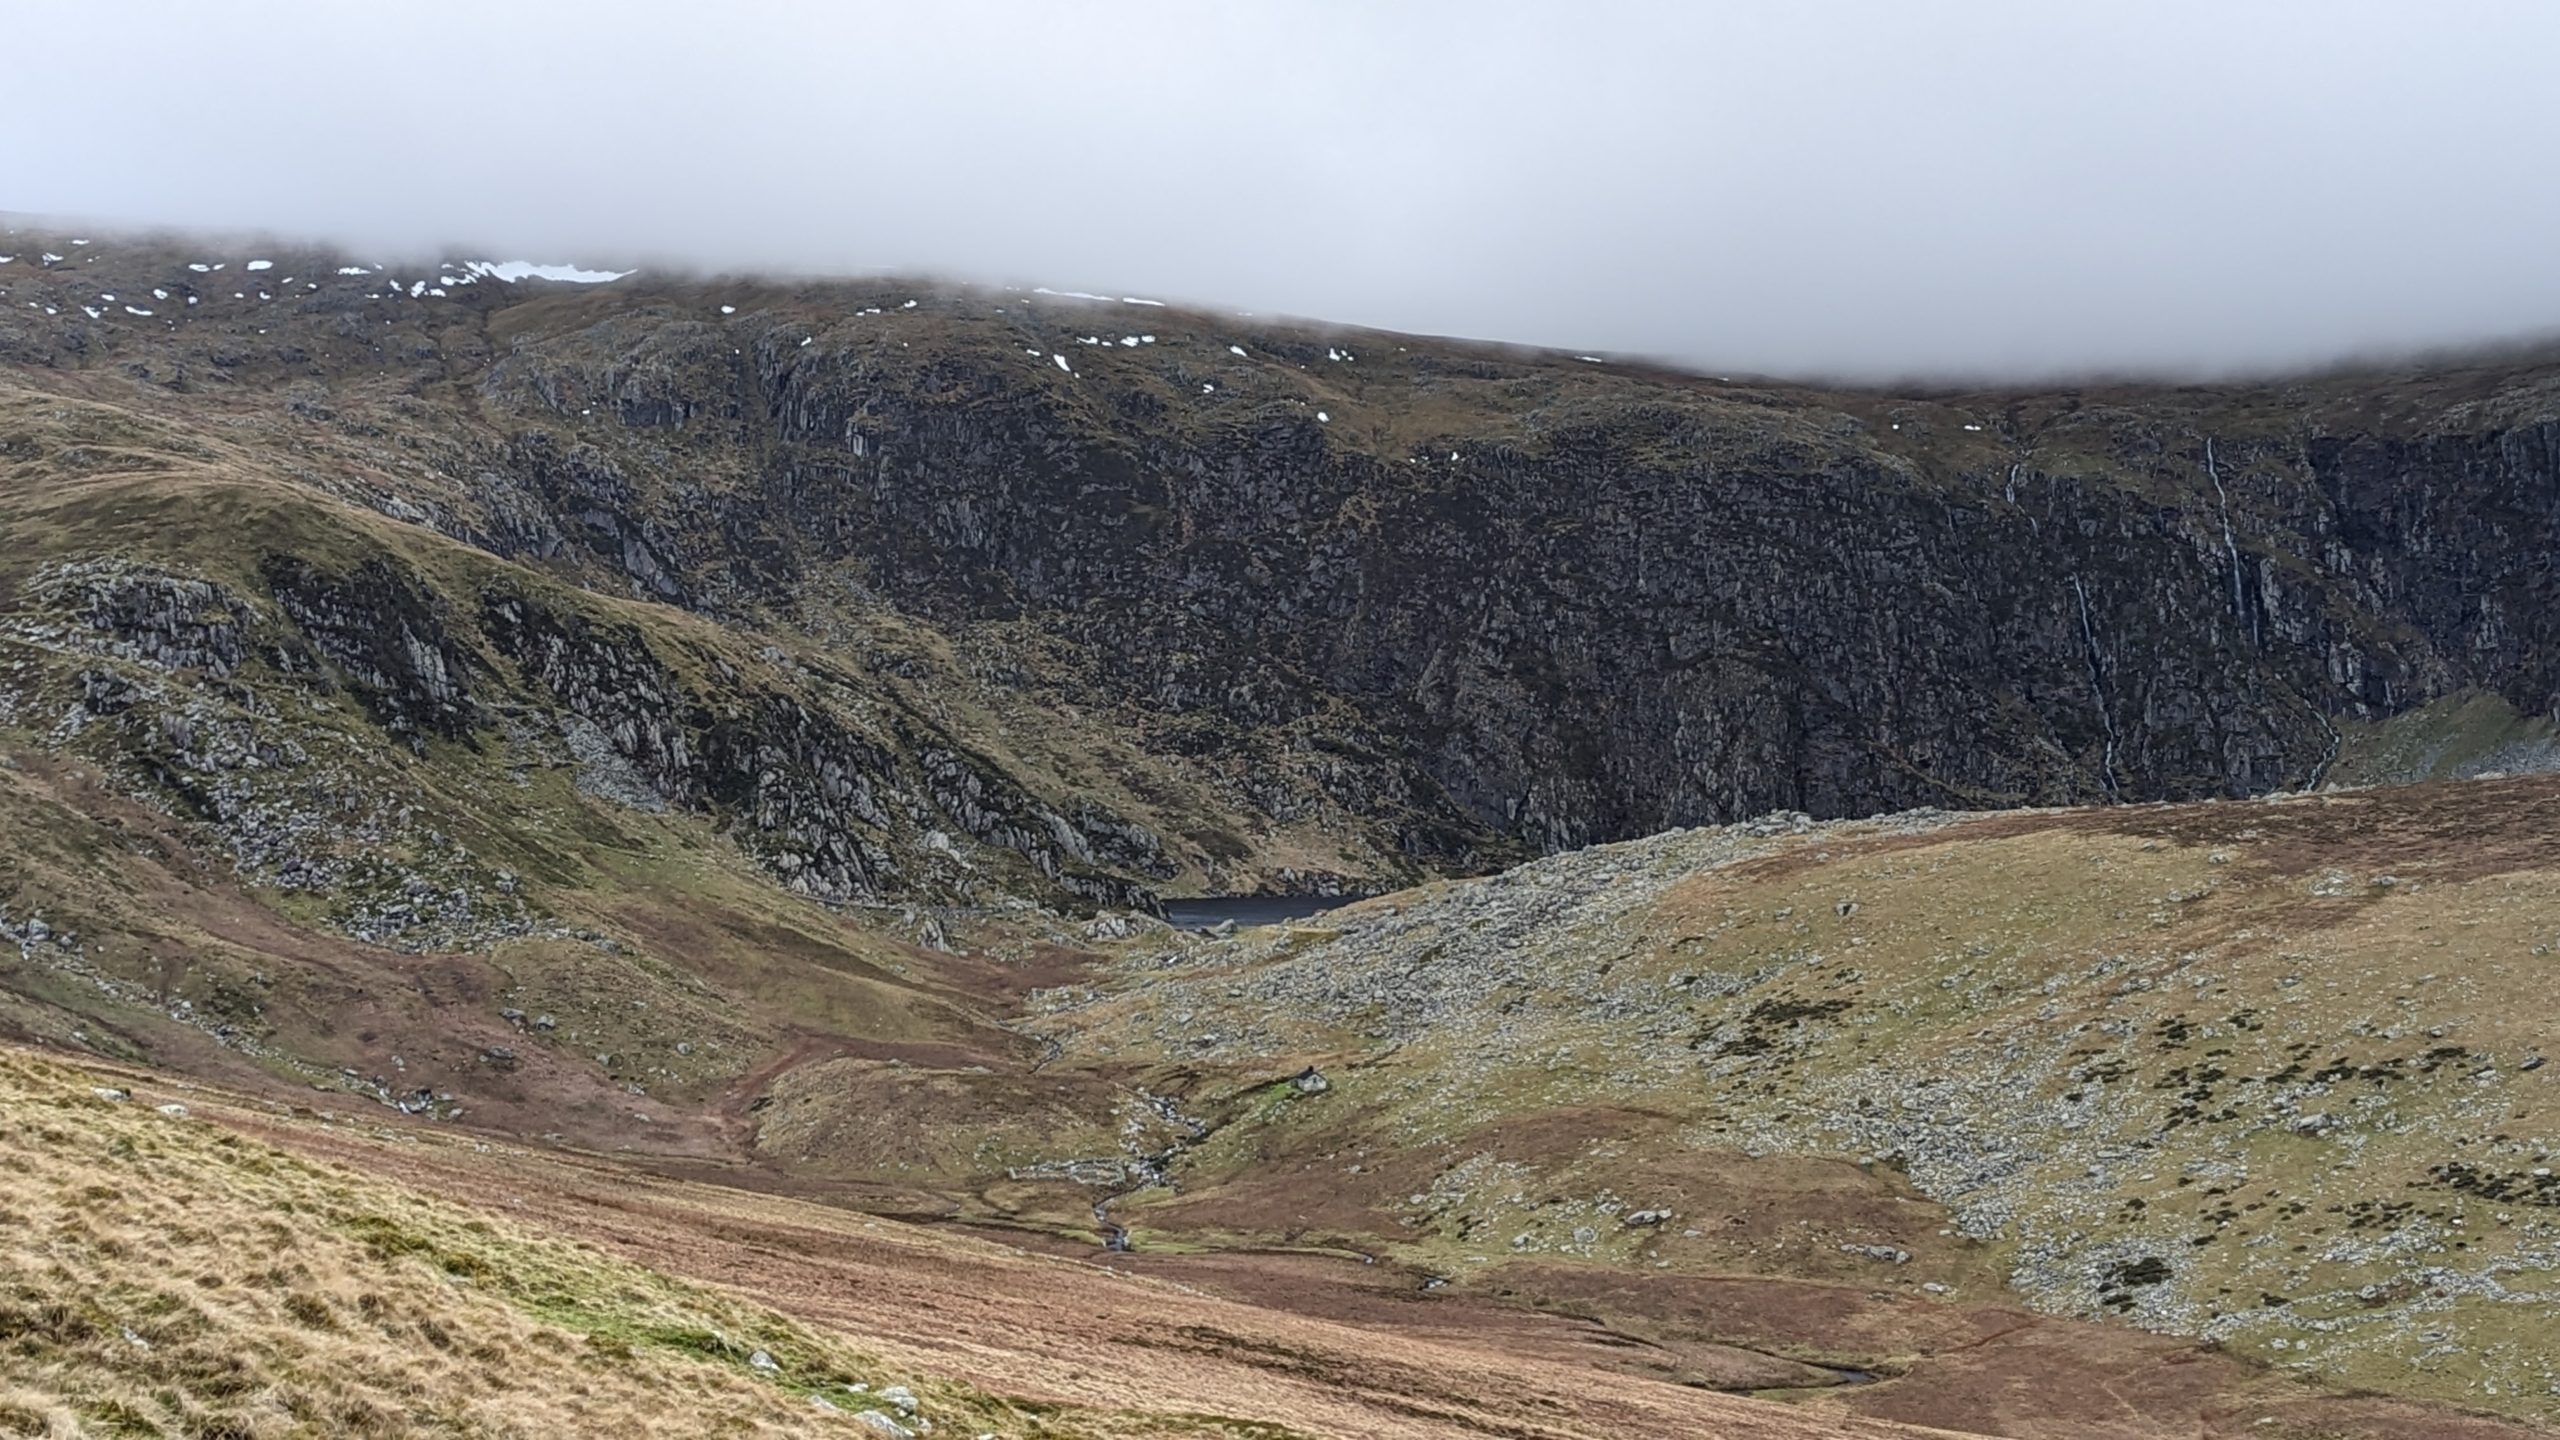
{"x":583,"y":860}
{"x":189,"y":1260}
{"x":184,"y":1260}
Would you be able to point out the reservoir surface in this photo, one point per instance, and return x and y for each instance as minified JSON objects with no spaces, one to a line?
{"x":1208,"y":910}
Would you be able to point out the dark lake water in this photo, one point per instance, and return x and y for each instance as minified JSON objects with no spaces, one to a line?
{"x":1202,"y":913}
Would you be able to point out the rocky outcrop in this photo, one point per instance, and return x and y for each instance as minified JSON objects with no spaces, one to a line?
{"x":1452,"y":601}
{"x":1661,"y":608}
{"x":224,"y":710}
{"x":590,"y":500}
{"x":606,"y":680}
{"x":828,"y":807}
{"x":806,"y":788}
{"x":1591,"y":634}
{"x":2449,"y":532}
{"x":170,"y":621}
{"x":992,"y":809}
{"x":386,"y":636}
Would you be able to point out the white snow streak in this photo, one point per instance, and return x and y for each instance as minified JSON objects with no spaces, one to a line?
{"x":512,"y":271}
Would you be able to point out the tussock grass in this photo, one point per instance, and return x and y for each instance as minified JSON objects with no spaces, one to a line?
{"x":160,"y":1276}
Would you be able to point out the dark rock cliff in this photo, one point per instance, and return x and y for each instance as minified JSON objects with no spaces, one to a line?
{"x":1654,"y":616}
{"x":1470,"y":599}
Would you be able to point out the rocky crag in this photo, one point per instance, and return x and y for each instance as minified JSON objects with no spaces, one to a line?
{"x":1441,"y":602}
{"x":741,"y":729}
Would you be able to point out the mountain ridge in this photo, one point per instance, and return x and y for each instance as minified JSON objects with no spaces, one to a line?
{"x":2211,"y":605}
{"x":738,"y":733}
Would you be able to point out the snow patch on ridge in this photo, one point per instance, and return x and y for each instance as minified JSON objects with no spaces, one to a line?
{"x":1089,"y":295}
{"x":512,"y":271}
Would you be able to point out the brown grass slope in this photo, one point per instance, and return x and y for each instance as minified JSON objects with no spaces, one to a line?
{"x":180,"y":1261}
{"x":2132,"y":1122}
{"x":2269,"y":1073}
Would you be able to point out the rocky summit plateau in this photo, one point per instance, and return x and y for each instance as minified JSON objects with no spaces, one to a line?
{"x":587,"y":852}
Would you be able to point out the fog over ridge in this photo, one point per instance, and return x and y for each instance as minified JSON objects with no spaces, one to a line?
{"x":1975,"y":189}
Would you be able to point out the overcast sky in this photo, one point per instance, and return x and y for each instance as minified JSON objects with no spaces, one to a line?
{"x":1880,"y":188}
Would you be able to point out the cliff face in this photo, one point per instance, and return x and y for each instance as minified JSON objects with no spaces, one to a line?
{"x":1644,"y":602}
{"x":698,"y":718}
{"x":1453,"y":600}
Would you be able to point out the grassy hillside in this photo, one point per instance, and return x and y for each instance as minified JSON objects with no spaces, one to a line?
{"x":167,"y":1277}
{"x":685,"y":766}
{"x":168,"y":1268}
{"x":2271,"y":1074}
{"x":1774,"y":1109}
